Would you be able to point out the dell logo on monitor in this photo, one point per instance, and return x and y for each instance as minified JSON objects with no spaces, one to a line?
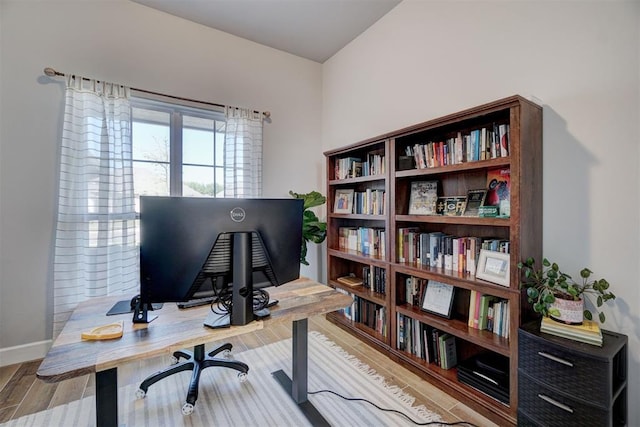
{"x":237,"y":214}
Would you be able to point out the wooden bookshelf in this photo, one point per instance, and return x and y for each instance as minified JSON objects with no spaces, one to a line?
{"x":522,"y":228}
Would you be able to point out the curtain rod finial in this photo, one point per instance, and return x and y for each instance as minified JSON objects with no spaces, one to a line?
{"x":50,"y":72}
{"x":267,"y":114}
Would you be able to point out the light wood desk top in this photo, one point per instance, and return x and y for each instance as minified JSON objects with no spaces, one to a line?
{"x":174,"y":329}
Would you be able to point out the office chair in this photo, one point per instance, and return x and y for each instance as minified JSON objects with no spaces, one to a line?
{"x":195,"y":361}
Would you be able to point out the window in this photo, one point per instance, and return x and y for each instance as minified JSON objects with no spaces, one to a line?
{"x":178,"y":150}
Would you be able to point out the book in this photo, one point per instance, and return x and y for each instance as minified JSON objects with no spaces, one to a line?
{"x":503,"y":136}
{"x":499,"y":190}
{"x":588,"y":332}
{"x":475,"y":199}
{"x":449,"y":352}
{"x":352,"y":281}
{"x":423,"y":198}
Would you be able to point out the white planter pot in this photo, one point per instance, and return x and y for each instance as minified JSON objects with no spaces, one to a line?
{"x":571,"y":312}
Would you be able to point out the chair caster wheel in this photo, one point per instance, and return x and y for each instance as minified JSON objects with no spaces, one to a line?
{"x":140,"y":394}
{"x":242,"y":376}
{"x":226,"y":354}
{"x":187,"y":409}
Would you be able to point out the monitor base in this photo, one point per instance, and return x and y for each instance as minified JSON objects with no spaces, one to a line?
{"x":223,"y":320}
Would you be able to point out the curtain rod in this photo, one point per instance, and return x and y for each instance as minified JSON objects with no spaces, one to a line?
{"x":53,"y":73}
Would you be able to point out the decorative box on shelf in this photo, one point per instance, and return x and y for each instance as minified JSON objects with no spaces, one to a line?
{"x":568,"y":383}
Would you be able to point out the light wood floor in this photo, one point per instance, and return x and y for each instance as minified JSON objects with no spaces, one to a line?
{"x":21,"y":393}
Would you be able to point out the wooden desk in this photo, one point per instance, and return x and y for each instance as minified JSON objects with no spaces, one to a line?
{"x":176,"y":329}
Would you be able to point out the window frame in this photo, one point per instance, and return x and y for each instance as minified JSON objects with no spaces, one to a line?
{"x":177,"y":109}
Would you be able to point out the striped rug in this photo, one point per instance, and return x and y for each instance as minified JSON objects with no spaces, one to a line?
{"x":260,"y":401}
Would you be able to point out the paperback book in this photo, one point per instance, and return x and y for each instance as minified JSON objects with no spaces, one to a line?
{"x":588,"y":332}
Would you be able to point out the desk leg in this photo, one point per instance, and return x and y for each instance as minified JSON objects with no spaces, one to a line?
{"x":107,"y":398}
{"x":297,"y":388}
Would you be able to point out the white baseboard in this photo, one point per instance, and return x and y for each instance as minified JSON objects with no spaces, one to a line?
{"x":24,"y":353}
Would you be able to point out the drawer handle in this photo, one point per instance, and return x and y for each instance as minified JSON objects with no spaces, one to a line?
{"x":555,"y":403}
{"x":555,"y":358}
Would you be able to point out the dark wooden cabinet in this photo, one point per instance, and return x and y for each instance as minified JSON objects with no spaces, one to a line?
{"x":378,"y":314}
{"x":565,"y":382}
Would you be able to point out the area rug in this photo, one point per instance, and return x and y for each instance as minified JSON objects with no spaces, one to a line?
{"x":260,"y":401}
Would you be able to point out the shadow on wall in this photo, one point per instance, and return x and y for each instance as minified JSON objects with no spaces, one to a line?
{"x":566,"y":183}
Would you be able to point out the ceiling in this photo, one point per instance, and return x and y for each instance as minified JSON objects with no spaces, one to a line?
{"x":312,"y":29}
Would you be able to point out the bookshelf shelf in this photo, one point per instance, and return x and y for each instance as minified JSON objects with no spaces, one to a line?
{"x":513,"y":118}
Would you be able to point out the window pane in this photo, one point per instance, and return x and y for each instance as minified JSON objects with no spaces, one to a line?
{"x":219,"y":138}
{"x":150,"y":179}
{"x":197,"y":181}
{"x":219,"y":182}
{"x":197,"y":147}
{"x":150,"y":135}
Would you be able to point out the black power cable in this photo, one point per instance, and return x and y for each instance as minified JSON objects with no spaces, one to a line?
{"x":431,"y":423}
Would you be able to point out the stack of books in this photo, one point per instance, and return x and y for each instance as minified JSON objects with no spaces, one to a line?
{"x":588,"y":332}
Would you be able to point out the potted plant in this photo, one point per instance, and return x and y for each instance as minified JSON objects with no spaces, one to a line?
{"x":313,"y":230}
{"x":555,"y":294}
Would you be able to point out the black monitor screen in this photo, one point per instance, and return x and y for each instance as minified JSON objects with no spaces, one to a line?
{"x":187,"y":244}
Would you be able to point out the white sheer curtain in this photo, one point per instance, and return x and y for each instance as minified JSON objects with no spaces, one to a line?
{"x":95,"y":246}
{"x":243,"y":153}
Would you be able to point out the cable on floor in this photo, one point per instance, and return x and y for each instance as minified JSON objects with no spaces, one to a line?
{"x":431,"y":423}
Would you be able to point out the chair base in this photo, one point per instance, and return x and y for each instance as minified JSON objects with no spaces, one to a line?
{"x":195,"y":361}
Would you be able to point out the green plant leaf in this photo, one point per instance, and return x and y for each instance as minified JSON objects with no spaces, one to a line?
{"x":313,"y":230}
{"x":602,"y":318}
{"x":587,"y":315}
{"x":554,"y":312}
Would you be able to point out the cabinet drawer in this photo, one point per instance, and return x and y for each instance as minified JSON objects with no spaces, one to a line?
{"x":542,"y":405}
{"x":564,"y":369}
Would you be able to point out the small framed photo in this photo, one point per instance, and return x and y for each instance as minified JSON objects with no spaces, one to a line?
{"x":493,"y":267}
{"x":343,"y":201}
{"x":438,"y":298}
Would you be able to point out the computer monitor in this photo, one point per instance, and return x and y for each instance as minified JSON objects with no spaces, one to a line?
{"x":191,"y":247}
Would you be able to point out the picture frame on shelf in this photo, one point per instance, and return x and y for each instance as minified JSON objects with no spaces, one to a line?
{"x":493,"y":267}
{"x":343,"y":203}
{"x":438,"y":298}
{"x":475,"y":199}
{"x":423,"y":198}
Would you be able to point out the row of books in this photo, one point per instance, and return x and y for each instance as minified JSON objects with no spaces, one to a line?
{"x":426,"y":342}
{"x":353,"y":167}
{"x":370,"y":202}
{"x":588,"y":332}
{"x":366,"y":240}
{"x":479,"y":144}
{"x":366,"y":312}
{"x":490,"y":313}
{"x":375,"y":278}
{"x":440,"y":250}
{"x":411,"y":291}
{"x":491,"y":201}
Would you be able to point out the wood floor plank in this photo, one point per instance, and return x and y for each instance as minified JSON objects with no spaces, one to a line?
{"x":6,"y":414}
{"x":37,"y":398}
{"x":19,"y":384}
{"x":6,"y":372}
{"x":68,"y":391}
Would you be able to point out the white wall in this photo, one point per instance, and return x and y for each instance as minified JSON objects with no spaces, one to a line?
{"x":426,"y":59}
{"x":124,"y":42}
